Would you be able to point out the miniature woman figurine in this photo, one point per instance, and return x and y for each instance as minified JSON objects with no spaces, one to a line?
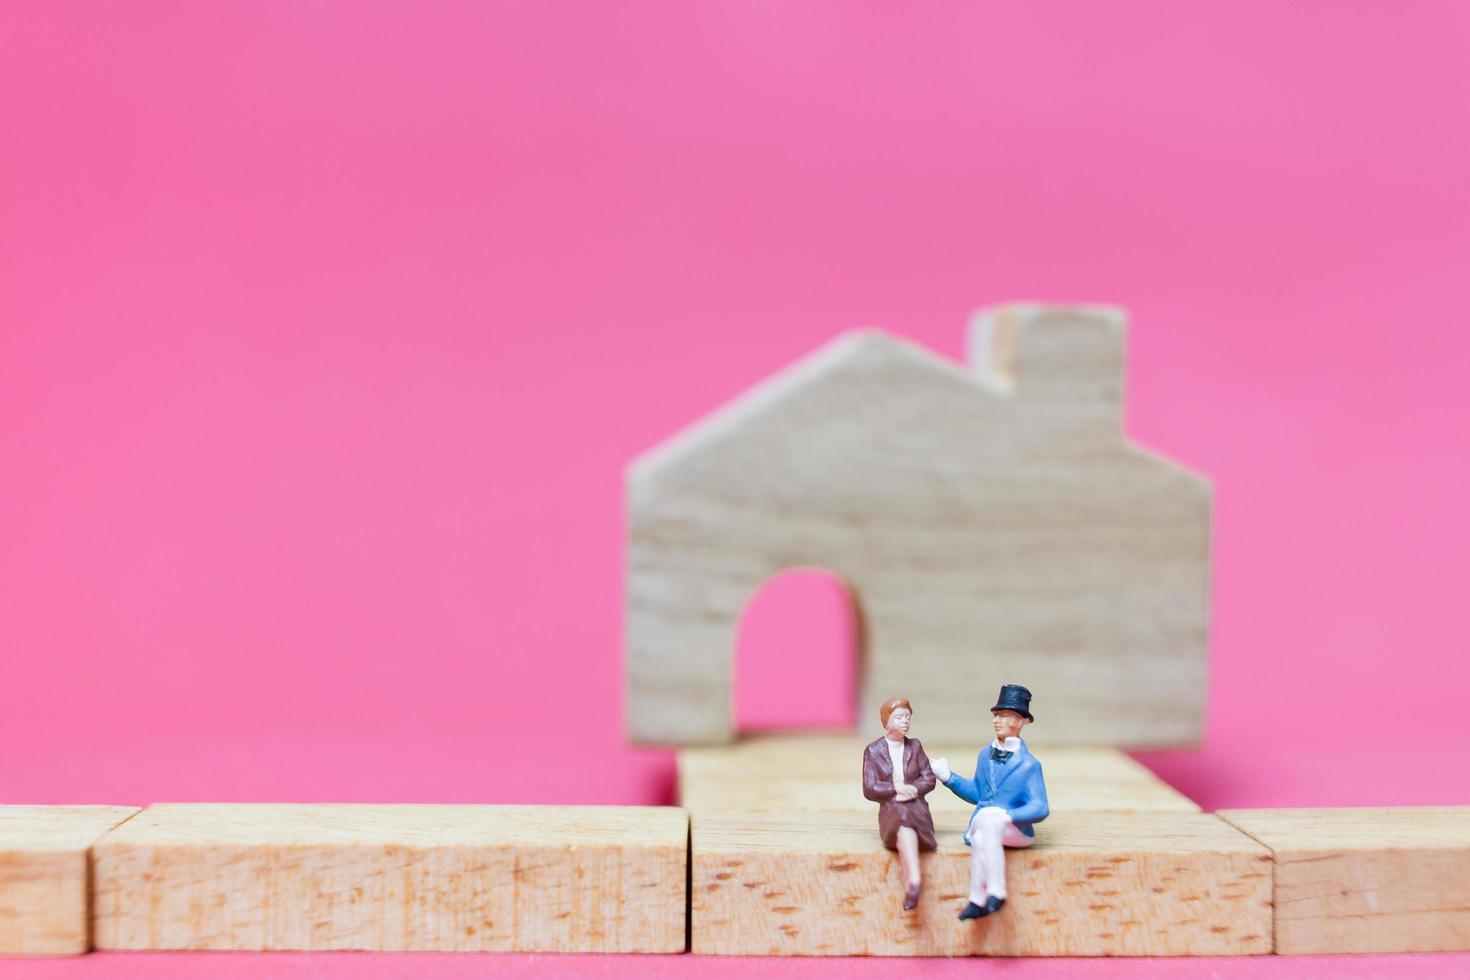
{"x":1009,"y":797}
{"x":896,"y":774}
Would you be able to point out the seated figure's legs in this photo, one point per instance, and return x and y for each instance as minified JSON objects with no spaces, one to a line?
{"x":991,"y":831}
{"x":908,"y":854}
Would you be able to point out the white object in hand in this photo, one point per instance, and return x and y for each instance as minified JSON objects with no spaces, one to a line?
{"x":941,"y":769}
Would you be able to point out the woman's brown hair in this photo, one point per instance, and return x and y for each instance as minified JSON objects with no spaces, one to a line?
{"x":892,"y":705}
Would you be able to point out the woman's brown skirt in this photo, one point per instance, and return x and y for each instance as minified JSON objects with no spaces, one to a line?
{"x":907,"y":813}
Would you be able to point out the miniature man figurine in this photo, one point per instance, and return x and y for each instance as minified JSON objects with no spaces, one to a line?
{"x":1009,"y":797}
{"x":896,"y":774}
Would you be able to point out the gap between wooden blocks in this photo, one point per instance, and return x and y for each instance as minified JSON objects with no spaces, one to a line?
{"x":44,"y":852}
{"x":1367,"y":880}
{"x":253,"y":876}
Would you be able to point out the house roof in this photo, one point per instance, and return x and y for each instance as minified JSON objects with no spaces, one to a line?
{"x":989,"y":381}
{"x":855,"y":349}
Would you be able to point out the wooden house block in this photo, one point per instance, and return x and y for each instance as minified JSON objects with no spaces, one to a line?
{"x":43,"y":875}
{"x":394,"y":877}
{"x":821,"y":773}
{"x":1367,"y":880}
{"x":992,"y":524}
{"x":1093,"y":884}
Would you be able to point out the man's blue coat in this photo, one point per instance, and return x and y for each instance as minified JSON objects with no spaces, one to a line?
{"x":1015,"y":786}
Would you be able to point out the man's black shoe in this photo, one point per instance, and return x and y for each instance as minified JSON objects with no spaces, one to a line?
{"x":973,"y":911}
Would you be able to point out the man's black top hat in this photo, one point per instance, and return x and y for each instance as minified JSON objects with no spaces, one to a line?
{"x":1014,"y":697}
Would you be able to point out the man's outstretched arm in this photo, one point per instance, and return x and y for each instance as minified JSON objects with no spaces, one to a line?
{"x":965,"y":787}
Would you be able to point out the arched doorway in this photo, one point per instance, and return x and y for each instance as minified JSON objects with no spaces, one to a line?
{"x":797,"y":652}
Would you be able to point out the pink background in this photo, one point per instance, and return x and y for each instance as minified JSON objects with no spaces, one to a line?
{"x":326,"y":329}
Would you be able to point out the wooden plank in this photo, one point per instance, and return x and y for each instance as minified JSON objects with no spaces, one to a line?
{"x":43,"y":875}
{"x":394,"y":877}
{"x":993,"y":525}
{"x":1094,"y":884}
{"x":821,"y":773}
{"x":1388,"y":880}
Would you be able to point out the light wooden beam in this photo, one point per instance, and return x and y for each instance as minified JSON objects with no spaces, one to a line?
{"x":394,"y":877}
{"x":1094,"y":884}
{"x":1367,"y":880}
{"x":821,"y":773}
{"x":43,"y":875}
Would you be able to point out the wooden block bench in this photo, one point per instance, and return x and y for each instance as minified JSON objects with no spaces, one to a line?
{"x":1095,"y":884}
{"x":393,"y":877}
{"x":43,"y":875}
{"x":822,"y":773}
{"x":1367,"y":880}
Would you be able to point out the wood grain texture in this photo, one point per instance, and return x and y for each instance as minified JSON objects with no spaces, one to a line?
{"x":820,"y":773}
{"x":394,"y":877}
{"x":43,"y":875}
{"x":1367,"y":880}
{"x":1094,"y":884}
{"x":992,"y":525}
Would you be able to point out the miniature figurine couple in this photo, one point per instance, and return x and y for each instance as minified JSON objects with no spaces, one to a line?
{"x":1007,"y":791}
